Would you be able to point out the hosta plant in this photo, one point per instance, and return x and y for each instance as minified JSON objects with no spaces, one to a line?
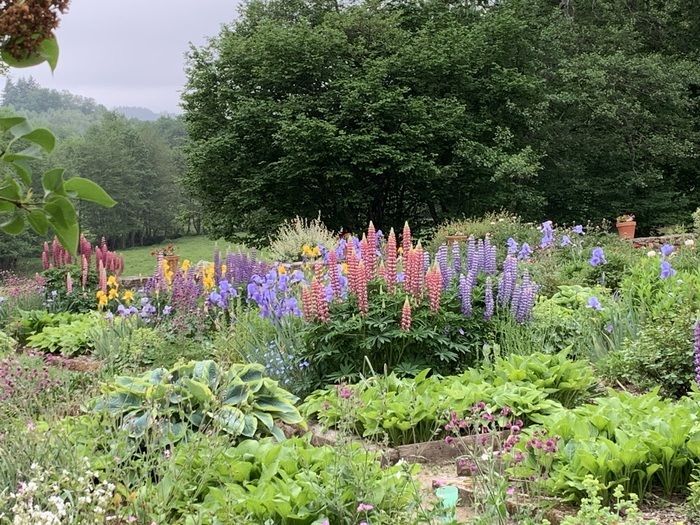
{"x":200,"y":396}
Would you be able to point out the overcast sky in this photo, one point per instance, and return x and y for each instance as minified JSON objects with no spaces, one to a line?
{"x":131,"y":52}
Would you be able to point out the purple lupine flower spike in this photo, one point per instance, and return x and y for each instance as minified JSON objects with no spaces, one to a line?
{"x":471,"y":253}
{"x":525,"y":252}
{"x":441,"y":257}
{"x":490,"y":264}
{"x":456,"y":258}
{"x":506,"y":285}
{"x":466,"y":287}
{"x":488,"y":299}
{"x":512,"y":246}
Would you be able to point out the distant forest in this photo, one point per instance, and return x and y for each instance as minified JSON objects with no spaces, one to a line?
{"x":139,"y":162}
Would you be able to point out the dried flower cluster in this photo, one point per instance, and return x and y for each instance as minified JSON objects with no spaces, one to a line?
{"x":26,"y":24}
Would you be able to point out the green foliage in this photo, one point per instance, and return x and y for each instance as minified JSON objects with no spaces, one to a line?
{"x":18,"y":207}
{"x":351,"y":344}
{"x":499,"y":226}
{"x":70,"y":339}
{"x":198,"y":396}
{"x":7,"y":344}
{"x":286,"y":245}
{"x":640,"y":442}
{"x":696,"y":221}
{"x":429,"y":112}
{"x":413,"y":410}
{"x":32,"y":322}
{"x":661,"y":354}
{"x":592,"y":511}
{"x":210,"y":481}
{"x":56,"y":294}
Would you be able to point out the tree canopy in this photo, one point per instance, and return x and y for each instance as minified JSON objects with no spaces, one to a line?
{"x":396,"y":110}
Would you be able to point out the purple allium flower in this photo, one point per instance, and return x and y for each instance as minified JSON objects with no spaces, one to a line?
{"x":488,"y":299}
{"x":666,"y":270}
{"x":666,"y":250}
{"x":547,"y":234}
{"x":597,"y":257}
{"x":697,"y":352}
{"x":525,"y":252}
{"x":565,"y":241}
{"x":578,"y":229}
{"x":466,"y":287}
{"x":594,"y":304}
{"x":512,"y":246}
{"x":506,"y":284}
{"x":456,"y":258}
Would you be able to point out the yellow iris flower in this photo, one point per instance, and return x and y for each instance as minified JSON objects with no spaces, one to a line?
{"x":186,"y":265}
{"x":113,"y":294}
{"x":281,"y":269}
{"x":112,"y":281}
{"x":128,"y":296}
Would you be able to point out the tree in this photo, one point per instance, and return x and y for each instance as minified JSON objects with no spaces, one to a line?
{"x":397,"y":109}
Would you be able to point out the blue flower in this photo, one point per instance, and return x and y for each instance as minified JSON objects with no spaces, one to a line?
{"x":565,"y":241}
{"x":609,"y":328}
{"x":547,"y":234}
{"x":594,"y":304}
{"x":666,"y":270}
{"x":597,"y":257}
{"x":578,"y":229}
{"x":512,"y":246}
{"x":525,"y":251}
{"x":167,"y":310}
{"x":666,"y":250}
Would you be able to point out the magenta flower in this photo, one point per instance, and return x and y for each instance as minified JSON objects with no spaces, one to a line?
{"x":365,"y":507}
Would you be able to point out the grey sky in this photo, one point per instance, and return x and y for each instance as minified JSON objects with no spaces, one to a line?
{"x":131,"y":52}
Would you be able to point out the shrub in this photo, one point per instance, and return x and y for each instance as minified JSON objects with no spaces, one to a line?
{"x":287,"y":244}
{"x":70,"y":339}
{"x":696,"y":221}
{"x":79,"y":300}
{"x":209,"y":481}
{"x":351,"y":345}
{"x":199,"y":396}
{"x":640,"y":442}
{"x":661,"y":355}
{"x":499,"y":226}
{"x":7,"y":344}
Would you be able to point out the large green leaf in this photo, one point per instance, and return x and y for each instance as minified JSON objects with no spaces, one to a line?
{"x":251,"y":426}
{"x":52,"y":181}
{"x":235,"y":394}
{"x":199,"y":391}
{"x":207,"y":372}
{"x":42,"y":137}
{"x":47,"y":52}
{"x":14,"y":225}
{"x":231,"y":420}
{"x":64,"y":221}
{"x":87,"y":190}
{"x":7,"y":123}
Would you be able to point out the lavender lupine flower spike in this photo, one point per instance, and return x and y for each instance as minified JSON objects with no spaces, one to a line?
{"x":697,"y":352}
{"x":480,"y":256}
{"x":506,"y":285}
{"x":456,"y":258}
{"x":490,"y":265}
{"x":441,"y":258}
{"x":466,"y":287}
{"x":471,"y":253}
{"x":488,"y":299}
{"x":512,"y":246}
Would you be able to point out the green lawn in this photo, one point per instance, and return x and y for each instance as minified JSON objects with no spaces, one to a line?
{"x":139,"y":261}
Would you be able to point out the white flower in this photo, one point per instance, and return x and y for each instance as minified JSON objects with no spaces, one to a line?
{"x":651,"y":253}
{"x":689,"y":242}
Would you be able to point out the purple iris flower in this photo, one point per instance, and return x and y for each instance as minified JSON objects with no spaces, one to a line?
{"x":512,"y":246}
{"x":666,"y":270}
{"x":594,"y":304}
{"x":525,"y":252}
{"x":666,"y":250}
{"x":597,"y":257}
{"x":167,"y":310}
{"x":565,"y":241}
{"x":547,"y":234}
{"x":578,"y":229}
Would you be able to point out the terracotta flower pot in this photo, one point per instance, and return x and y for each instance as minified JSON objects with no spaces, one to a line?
{"x":173,"y":261}
{"x":626,"y":229}
{"x":457,"y":238}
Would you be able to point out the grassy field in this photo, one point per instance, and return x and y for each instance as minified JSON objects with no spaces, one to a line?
{"x":139,"y":261}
